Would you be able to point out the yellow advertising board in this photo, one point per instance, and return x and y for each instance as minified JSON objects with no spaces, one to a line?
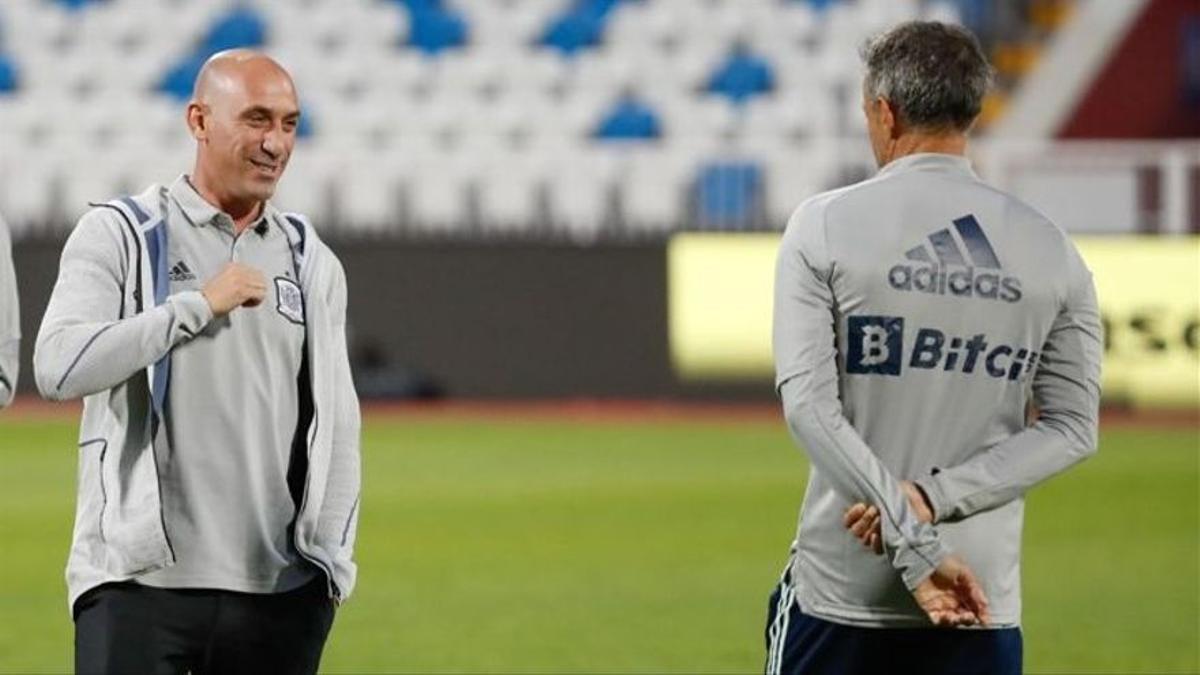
{"x":720,"y":294}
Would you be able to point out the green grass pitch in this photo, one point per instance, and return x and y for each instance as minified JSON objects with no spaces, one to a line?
{"x":556,"y":546}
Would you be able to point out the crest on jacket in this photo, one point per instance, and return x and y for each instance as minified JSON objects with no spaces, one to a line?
{"x":289,"y":300}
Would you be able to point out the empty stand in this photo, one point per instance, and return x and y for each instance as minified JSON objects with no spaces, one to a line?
{"x":577,"y":118}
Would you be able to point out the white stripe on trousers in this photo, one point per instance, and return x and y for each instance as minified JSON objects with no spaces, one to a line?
{"x":779,"y":625}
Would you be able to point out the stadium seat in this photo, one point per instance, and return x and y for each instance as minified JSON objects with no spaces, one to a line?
{"x":307,"y":185}
{"x":743,"y":75}
{"x":8,"y":75}
{"x":819,"y":5}
{"x":76,"y":5}
{"x":728,"y":195}
{"x":580,"y":186}
{"x":579,"y":27}
{"x":241,"y":27}
{"x":179,"y":80}
{"x":434,"y":28}
{"x":510,"y":192}
{"x":28,"y":191}
{"x":368,"y":190}
{"x":697,"y":121}
{"x":794,"y":172}
{"x":630,"y":118}
{"x":652,"y":187}
{"x":437,"y":194}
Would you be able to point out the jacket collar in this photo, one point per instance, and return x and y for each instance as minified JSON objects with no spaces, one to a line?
{"x":929,"y":161}
{"x":199,"y":211}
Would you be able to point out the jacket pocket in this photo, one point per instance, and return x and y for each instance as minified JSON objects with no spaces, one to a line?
{"x":93,"y":496}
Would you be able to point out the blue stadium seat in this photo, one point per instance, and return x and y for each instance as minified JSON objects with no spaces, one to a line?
{"x":742,"y":76}
{"x":572,"y":33}
{"x":420,"y":5}
{"x":306,"y":127}
{"x":629,"y":119}
{"x":819,"y":5}
{"x":728,"y":195}
{"x":434,"y":28}
{"x":579,"y":27}
{"x":9,"y":81}
{"x":74,"y":5}
{"x":240,"y":27}
{"x":177,"y":82}
{"x":975,"y":14}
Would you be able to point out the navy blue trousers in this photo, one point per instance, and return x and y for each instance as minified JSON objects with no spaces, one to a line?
{"x":812,"y":646}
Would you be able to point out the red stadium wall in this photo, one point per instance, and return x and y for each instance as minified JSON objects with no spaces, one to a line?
{"x":1150,"y":87}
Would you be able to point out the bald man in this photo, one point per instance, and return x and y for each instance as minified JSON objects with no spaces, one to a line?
{"x":218,"y":479}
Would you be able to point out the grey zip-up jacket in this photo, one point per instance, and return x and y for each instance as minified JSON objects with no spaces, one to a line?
{"x":107,"y":336}
{"x":10,"y":320}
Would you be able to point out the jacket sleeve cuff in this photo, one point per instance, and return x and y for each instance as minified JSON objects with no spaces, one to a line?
{"x":191,"y":311}
{"x":935,"y":493}
{"x":916,"y":564}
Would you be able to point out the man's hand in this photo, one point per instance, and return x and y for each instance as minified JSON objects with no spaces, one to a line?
{"x":863,"y":523}
{"x":952,"y":596}
{"x":863,"y":520}
{"x":236,"y":285}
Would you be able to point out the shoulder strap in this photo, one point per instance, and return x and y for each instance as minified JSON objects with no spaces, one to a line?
{"x":132,"y":217}
{"x":298,"y":235}
{"x":154,"y":232}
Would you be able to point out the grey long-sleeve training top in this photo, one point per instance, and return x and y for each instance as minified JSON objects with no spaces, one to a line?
{"x":917,"y":314}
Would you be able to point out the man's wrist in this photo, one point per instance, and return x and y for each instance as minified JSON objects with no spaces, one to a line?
{"x":193,"y":310}
{"x":928,"y":489}
{"x":925,"y":500}
{"x":917,"y":562}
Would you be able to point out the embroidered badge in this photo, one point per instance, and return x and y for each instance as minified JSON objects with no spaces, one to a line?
{"x":289,"y":300}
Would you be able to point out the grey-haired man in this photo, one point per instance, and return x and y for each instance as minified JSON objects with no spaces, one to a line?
{"x":917,"y":315}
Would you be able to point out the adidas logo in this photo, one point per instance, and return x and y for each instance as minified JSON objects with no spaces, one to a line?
{"x":181,"y":272}
{"x":971,"y":280}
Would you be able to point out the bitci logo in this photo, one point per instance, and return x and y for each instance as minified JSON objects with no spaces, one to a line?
{"x":875,"y":346}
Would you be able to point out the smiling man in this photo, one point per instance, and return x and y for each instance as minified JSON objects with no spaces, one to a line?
{"x":219,"y":451}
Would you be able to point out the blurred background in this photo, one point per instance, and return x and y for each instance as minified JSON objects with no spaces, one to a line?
{"x":558,"y":220}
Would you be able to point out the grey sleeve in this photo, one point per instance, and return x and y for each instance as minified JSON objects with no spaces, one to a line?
{"x":1066,"y":389}
{"x":10,"y":320}
{"x":343,"y":487}
{"x":804,"y":344}
{"x":84,"y":346}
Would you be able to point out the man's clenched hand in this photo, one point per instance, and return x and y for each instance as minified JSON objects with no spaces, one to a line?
{"x":236,"y":285}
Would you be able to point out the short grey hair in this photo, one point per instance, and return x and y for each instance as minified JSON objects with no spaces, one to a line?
{"x":934,"y":75}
